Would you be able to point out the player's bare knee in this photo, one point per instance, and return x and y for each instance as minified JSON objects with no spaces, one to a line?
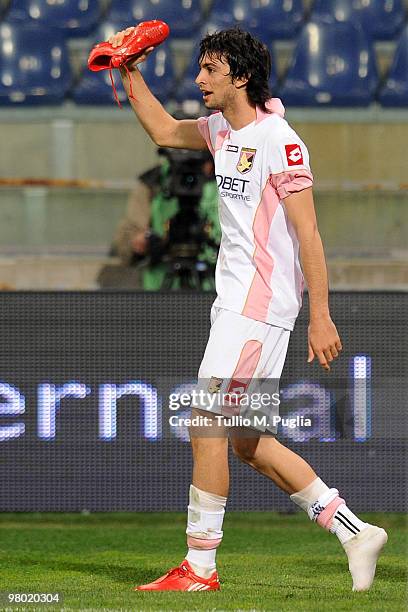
{"x":245,"y":449}
{"x":208,"y":447}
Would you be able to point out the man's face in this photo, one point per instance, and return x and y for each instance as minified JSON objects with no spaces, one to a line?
{"x":215,"y":82}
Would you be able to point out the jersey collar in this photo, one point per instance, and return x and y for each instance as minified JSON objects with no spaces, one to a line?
{"x":274,"y":105}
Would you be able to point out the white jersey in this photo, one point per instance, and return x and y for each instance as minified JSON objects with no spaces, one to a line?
{"x":258,"y":273}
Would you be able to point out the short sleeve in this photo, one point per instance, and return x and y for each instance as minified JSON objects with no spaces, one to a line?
{"x":204,"y":129}
{"x":289,"y":164}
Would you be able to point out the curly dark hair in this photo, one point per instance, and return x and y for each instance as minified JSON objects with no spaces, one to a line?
{"x":247,"y":57}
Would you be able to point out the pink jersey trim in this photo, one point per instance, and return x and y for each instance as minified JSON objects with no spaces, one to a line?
{"x":203,"y":128}
{"x":286,"y":183}
{"x":219,"y":139}
{"x":260,"y":292}
{"x":325,"y":518}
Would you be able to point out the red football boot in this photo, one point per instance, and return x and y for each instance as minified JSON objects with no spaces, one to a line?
{"x":182,"y":578}
{"x":147,"y":34}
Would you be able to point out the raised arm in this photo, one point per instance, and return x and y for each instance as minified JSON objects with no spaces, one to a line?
{"x":163,"y":129}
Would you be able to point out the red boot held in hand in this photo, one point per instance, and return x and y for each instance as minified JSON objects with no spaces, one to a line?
{"x":147,"y":34}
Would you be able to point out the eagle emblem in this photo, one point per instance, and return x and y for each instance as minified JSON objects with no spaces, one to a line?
{"x":246,"y":160}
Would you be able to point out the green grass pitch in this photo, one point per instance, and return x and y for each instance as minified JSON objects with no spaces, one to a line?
{"x":267,"y":561}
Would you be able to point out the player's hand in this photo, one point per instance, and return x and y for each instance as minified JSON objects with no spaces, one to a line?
{"x":324,"y":341}
{"x":117,"y":39}
{"x":138,"y":59}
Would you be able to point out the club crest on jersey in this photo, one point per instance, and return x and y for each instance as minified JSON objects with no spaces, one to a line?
{"x":246,"y":160}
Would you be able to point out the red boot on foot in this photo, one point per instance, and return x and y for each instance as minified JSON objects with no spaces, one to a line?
{"x":182,"y":578}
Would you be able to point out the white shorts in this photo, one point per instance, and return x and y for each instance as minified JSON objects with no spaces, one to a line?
{"x":243,"y":360}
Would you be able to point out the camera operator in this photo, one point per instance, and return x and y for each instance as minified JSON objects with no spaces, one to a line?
{"x":171,"y":228}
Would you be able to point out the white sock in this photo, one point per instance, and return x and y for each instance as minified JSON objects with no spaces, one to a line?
{"x":316,"y":498}
{"x":362,"y":552}
{"x":346,"y":524}
{"x":361,"y":541}
{"x":202,"y":561}
{"x":307,"y":496}
{"x":204,"y":530}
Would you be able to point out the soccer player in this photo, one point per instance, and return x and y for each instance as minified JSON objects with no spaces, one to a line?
{"x":268,"y":228}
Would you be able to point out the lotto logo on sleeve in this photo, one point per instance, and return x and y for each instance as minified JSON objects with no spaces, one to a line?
{"x":294,"y":155}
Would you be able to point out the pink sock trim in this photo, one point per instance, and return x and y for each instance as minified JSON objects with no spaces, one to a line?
{"x":325,"y":517}
{"x":199,"y":544}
